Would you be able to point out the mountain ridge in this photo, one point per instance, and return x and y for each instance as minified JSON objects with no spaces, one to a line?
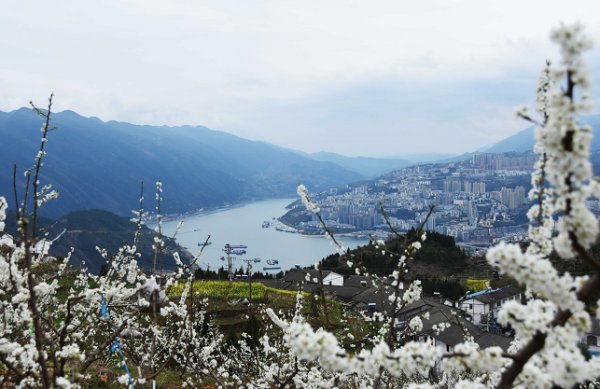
{"x":367,"y":166}
{"x":525,"y":139}
{"x":99,"y":165}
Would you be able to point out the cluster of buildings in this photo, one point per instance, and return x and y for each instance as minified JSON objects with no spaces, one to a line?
{"x":478,"y":201}
{"x":513,"y":198}
{"x":504,"y":161}
{"x":473,"y":315}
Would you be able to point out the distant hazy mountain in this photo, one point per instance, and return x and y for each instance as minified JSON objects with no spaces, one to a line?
{"x":371,"y":167}
{"x":524,"y":140}
{"x":367,"y":166}
{"x":99,"y":165}
{"x":425,"y":157}
{"x":458,"y":158}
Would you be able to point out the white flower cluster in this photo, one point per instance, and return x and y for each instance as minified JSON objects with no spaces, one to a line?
{"x":415,"y":324}
{"x":540,"y":214}
{"x":469,"y":357}
{"x":413,"y":292}
{"x":572,"y":42}
{"x":3,"y":207}
{"x":46,"y":194}
{"x":133,"y":312}
{"x":527,"y":319}
{"x":308,"y":203}
{"x":563,"y":146}
{"x":537,"y":273}
{"x":438,"y":328}
{"x":567,"y":144}
{"x":79,"y":318}
{"x":560,"y":363}
{"x":411,"y":359}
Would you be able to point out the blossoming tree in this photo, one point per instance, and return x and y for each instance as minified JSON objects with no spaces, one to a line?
{"x":52,"y":332}
{"x":549,"y":325}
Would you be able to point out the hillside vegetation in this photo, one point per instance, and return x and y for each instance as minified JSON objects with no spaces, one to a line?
{"x":438,"y":257}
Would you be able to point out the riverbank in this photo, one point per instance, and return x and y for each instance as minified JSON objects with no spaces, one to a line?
{"x":169,"y":217}
{"x":243,"y":225}
{"x":362,"y":234}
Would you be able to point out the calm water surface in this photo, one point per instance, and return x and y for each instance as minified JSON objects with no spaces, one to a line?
{"x":243,"y":225}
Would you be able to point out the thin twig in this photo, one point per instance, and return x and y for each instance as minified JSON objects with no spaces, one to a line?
{"x":40,"y":339}
{"x":15,"y":193}
{"x":96,"y":354}
{"x":138,"y":231}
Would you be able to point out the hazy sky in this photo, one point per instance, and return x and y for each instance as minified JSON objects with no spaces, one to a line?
{"x":354,"y":77}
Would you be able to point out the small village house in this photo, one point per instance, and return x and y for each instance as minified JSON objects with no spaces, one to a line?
{"x":483,"y":306}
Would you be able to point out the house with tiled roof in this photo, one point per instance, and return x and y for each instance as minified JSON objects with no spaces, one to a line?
{"x":483,"y":306}
{"x":456,"y":326}
{"x":343,"y":293}
{"x":312,"y":276}
{"x":359,"y":281}
{"x":375,"y":298}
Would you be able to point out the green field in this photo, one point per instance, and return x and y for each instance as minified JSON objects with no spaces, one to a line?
{"x":223,"y":290}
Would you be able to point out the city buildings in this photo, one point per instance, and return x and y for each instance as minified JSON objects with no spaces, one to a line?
{"x":478,"y":201}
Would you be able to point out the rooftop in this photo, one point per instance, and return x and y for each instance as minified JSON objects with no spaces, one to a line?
{"x":493,"y":295}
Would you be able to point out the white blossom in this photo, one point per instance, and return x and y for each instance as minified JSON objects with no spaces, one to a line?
{"x":3,"y":208}
{"x":303,"y":193}
{"x":415,"y":324}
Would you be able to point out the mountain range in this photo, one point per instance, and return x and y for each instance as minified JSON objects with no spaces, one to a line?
{"x":100,"y":165}
{"x":366,"y":166}
{"x":525,"y":139}
{"x":97,"y":167}
{"x":97,"y":164}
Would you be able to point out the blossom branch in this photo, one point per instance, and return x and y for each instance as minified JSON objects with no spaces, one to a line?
{"x":110,"y":340}
{"x":538,"y":341}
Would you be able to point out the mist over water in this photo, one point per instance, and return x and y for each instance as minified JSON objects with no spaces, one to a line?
{"x":243,"y":225}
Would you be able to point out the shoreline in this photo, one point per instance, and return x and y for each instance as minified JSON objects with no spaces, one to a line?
{"x":214,"y":209}
{"x":243,"y":225}
{"x":358,"y":235}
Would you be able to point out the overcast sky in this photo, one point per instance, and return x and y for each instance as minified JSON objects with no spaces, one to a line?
{"x":355,"y":77}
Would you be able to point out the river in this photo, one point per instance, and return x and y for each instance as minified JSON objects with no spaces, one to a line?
{"x":244,"y":225}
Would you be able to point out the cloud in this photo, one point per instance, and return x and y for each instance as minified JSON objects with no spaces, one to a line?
{"x":393,"y":116}
{"x":346,"y":76}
